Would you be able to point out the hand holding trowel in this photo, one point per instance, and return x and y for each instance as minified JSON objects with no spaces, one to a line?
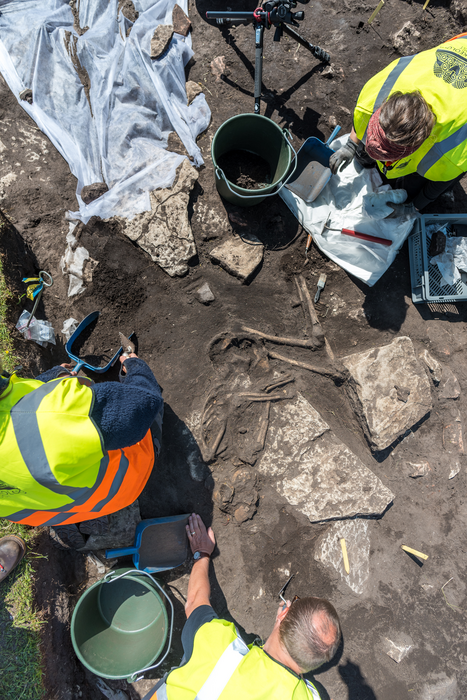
{"x":128,"y":348}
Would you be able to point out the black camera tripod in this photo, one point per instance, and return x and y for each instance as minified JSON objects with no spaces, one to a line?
{"x":277,"y":13}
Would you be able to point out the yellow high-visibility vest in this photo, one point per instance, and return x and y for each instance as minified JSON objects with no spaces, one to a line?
{"x":223,"y":667}
{"x":51,"y":452}
{"x":440,"y":74}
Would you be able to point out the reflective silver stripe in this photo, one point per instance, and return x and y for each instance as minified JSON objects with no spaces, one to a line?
{"x":312,"y":689}
{"x":29,"y":440}
{"x":161,"y":692}
{"x":116,"y":483}
{"x":389,"y":84}
{"x":438,"y":150}
{"x":223,"y":670}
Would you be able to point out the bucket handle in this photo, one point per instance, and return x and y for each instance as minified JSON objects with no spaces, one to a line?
{"x":220,"y":173}
{"x":107,"y":579}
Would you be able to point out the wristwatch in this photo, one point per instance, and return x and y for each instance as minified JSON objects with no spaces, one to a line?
{"x":198,"y":555}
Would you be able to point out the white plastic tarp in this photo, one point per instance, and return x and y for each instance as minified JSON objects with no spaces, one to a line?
{"x":341,"y":205}
{"x":120,"y":134}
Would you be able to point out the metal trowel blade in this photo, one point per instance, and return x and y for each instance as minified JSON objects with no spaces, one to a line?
{"x":127,"y":345}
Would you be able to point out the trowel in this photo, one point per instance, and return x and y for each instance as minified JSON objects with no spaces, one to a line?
{"x":127,"y":345}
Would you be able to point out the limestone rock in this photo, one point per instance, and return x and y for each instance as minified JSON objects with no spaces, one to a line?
{"x":418,"y":469}
{"x":433,"y":365}
{"x":181,"y":23}
{"x":454,"y":470}
{"x":406,"y":38}
{"x":26,"y":95}
{"x":204,"y":294}
{"x":328,"y":551}
{"x":165,"y":231}
{"x":450,"y":387}
{"x":192,"y":90}
{"x":238,"y":257}
{"x":389,"y":390}
{"x":315,"y":472}
{"x":453,"y":440}
{"x":209,"y":223}
{"x":91,"y":192}
{"x":161,"y":39}
{"x":122,"y":526}
{"x":398,"y":649}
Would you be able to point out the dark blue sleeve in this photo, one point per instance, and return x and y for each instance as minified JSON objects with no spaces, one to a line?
{"x":198,"y":618}
{"x":52,"y":373}
{"x":125,"y":411}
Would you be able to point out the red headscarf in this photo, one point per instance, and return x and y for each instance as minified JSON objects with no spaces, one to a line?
{"x":379,"y":147}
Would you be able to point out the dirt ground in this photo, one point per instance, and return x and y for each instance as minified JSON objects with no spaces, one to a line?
{"x":174,"y":332}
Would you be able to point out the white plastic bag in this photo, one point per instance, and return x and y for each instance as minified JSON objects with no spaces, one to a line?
{"x":40,"y":331}
{"x":69,"y":327}
{"x":340,"y":205}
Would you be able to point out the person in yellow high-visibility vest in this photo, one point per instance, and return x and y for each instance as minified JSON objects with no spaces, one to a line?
{"x":218,"y":665}
{"x":411,"y":122}
{"x":73,"y":452}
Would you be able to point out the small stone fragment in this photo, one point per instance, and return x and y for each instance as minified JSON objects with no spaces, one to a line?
{"x":204,"y":294}
{"x":405,"y":39}
{"x":26,"y":95}
{"x":192,"y":90}
{"x":218,"y":67}
{"x":453,"y":440}
{"x":399,"y":650}
{"x":181,"y":23}
{"x":161,"y":39}
{"x":418,"y":469}
{"x":450,"y":387}
{"x":433,"y":365}
{"x":454,"y":470}
{"x":238,"y":257}
{"x":91,"y":192}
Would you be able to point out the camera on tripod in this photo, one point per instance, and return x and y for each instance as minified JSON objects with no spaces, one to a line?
{"x":272,"y":13}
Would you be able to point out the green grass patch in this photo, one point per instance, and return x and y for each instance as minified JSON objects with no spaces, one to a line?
{"x":7,"y":354}
{"x":20,"y":659}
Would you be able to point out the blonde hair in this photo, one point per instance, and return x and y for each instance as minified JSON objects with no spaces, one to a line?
{"x":406,"y":119}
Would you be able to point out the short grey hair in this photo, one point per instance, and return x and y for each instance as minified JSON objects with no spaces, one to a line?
{"x":305,"y":632}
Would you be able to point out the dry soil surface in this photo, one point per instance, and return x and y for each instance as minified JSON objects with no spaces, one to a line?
{"x":174,"y":332}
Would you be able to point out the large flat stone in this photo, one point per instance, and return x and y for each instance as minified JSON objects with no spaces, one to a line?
{"x":389,"y":390}
{"x":329,"y":552}
{"x":238,"y":257}
{"x":312,"y":470}
{"x":165,"y":232}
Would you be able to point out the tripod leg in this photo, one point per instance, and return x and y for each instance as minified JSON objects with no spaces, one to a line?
{"x":317,"y":51}
{"x":259,"y":33}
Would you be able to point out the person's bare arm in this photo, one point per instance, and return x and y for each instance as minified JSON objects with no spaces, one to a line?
{"x":203,"y":541}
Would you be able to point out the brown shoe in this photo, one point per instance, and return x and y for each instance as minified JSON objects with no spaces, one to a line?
{"x":12,"y":550}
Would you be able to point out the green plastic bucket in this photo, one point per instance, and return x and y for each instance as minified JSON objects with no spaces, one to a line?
{"x":261,"y":136}
{"x":119,"y":625}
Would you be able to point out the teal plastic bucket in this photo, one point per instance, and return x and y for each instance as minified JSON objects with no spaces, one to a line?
{"x":119,"y":626}
{"x":263,"y":137}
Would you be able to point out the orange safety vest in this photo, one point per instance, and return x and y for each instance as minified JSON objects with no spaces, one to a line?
{"x":125,"y":477}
